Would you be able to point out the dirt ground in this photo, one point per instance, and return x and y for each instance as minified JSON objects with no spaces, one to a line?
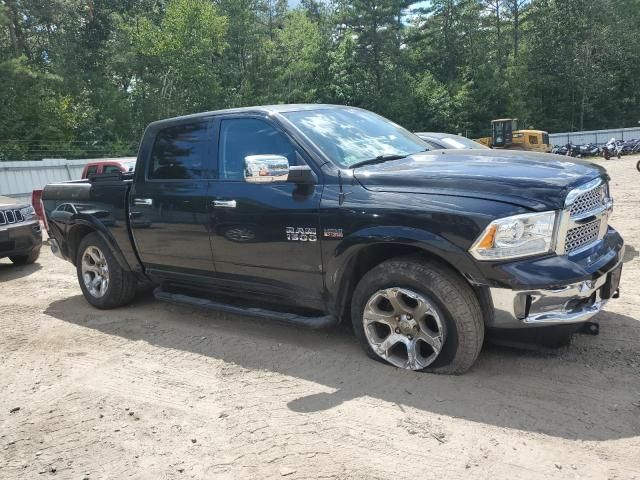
{"x":160,"y":391}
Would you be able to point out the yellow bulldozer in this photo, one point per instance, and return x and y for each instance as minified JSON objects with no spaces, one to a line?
{"x":505,"y":134}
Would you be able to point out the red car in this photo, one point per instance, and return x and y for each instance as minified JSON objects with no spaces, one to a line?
{"x":108,"y":166}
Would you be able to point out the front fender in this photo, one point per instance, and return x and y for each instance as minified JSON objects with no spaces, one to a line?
{"x":341,"y":260}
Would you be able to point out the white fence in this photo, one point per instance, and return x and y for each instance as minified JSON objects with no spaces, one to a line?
{"x":19,"y":179}
{"x":599,"y":137}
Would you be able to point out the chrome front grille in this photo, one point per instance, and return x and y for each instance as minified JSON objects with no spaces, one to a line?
{"x":589,"y":201}
{"x":10,"y":217}
{"x":584,"y":220}
{"x":582,"y":236}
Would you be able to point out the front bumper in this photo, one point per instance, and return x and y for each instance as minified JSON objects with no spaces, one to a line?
{"x":20,"y":238}
{"x":569,"y":304}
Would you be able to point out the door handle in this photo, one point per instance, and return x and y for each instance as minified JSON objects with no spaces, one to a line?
{"x":224,"y":203}
{"x":143,"y":201}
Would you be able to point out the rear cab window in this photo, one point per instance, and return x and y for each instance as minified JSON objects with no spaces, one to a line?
{"x":180,"y":152}
{"x":111,"y":169}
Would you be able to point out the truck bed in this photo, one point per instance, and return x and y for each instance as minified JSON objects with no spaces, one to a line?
{"x":100,"y":202}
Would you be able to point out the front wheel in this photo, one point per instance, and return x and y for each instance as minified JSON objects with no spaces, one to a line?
{"x":104,"y":283}
{"x":418,"y":315}
{"x":638,"y":165}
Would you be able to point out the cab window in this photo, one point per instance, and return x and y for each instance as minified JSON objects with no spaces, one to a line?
{"x":111,"y":169}
{"x":180,"y":152}
{"x":240,"y":137}
{"x":533,"y":140}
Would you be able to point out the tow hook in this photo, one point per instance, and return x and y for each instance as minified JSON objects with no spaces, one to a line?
{"x":590,"y":328}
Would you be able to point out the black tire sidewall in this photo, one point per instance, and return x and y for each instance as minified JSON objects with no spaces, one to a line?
{"x":381,"y":278}
{"x":117,"y":281}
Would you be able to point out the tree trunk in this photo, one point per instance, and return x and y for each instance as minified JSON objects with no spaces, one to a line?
{"x":15,"y":33}
{"x":516,"y":30}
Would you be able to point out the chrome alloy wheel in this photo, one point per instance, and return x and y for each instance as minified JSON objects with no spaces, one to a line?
{"x":404,"y":328}
{"x":95,"y":271}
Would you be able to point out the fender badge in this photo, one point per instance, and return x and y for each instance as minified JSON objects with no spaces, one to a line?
{"x":300,"y":234}
{"x":333,"y":232}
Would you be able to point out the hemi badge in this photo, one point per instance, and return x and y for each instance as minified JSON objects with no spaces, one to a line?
{"x":333,"y":232}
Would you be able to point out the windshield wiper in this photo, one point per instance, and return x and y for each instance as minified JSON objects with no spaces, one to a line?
{"x":379,"y":159}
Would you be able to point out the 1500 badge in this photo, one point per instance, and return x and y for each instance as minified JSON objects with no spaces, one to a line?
{"x":299,"y":234}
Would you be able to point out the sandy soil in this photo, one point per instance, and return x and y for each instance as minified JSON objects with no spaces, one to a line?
{"x":161,"y":391}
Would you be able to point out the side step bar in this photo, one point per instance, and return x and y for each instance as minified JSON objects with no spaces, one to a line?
{"x":290,"y":318}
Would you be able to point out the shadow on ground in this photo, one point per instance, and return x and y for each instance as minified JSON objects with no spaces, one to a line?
{"x":574,"y":394}
{"x":630,"y":253}
{"x":9,"y":271}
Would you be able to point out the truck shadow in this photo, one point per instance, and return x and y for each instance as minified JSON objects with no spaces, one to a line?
{"x":587,"y":391}
{"x":9,"y":271}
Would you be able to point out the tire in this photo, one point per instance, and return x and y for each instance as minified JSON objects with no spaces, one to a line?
{"x":120,"y":285}
{"x":638,"y":165}
{"x":606,"y":155}
{"x":26,"y":259}
{"x":454,"y":316}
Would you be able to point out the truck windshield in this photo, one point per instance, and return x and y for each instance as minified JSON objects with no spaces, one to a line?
{"x":349,"y":136}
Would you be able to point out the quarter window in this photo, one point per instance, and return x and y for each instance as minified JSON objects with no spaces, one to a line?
{"x":241,"y":137}
{"x":180,"y":152}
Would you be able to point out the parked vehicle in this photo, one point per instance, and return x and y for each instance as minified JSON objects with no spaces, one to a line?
{"x":108,"y":166}
{"x":316,"y":214}
{"x":20,"y":233}
{"x":505,"y":135}
{"x":578,"y":151}
{"x":588,"y":150}
{"x":630,"y":147}
{"x":612,"y":148}
{"x":442,"y":141}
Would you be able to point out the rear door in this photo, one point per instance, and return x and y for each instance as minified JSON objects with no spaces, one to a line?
{"x":168,"y":202}
{"x":264,"y":235}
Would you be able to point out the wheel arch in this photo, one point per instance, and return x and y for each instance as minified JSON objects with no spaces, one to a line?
{"x":82,"y":227}
{"x":358,"y":254}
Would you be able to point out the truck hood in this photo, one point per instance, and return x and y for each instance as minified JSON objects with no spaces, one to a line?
{"x":539,"y":181}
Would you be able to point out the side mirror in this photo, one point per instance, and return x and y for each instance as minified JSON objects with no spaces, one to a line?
{"x":266,"y":168}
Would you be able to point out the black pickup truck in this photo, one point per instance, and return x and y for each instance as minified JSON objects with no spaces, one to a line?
{"x":316,"y":214}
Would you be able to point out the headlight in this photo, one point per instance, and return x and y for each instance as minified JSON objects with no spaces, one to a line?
{"x":28,"y":213}
{"x":517,"y":236}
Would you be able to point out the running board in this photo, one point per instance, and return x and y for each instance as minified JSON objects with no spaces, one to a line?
{"x":290,"y":318}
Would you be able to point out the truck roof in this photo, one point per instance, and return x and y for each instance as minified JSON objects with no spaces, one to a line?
{"x":290,"y":107}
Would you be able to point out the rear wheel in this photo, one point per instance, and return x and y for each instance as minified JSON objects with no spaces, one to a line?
{"x":26,"y":259}
{"x":638,"y":165}
{"x":104,"y":283}
{"x":418,"y":315}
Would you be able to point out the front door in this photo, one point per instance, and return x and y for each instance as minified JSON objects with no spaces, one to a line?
{"x":264,"y":235}
{"x":169,"y":203}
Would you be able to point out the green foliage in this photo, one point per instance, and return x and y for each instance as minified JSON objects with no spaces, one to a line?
{"x":180,"y":58}
{"x":85,"y":78}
